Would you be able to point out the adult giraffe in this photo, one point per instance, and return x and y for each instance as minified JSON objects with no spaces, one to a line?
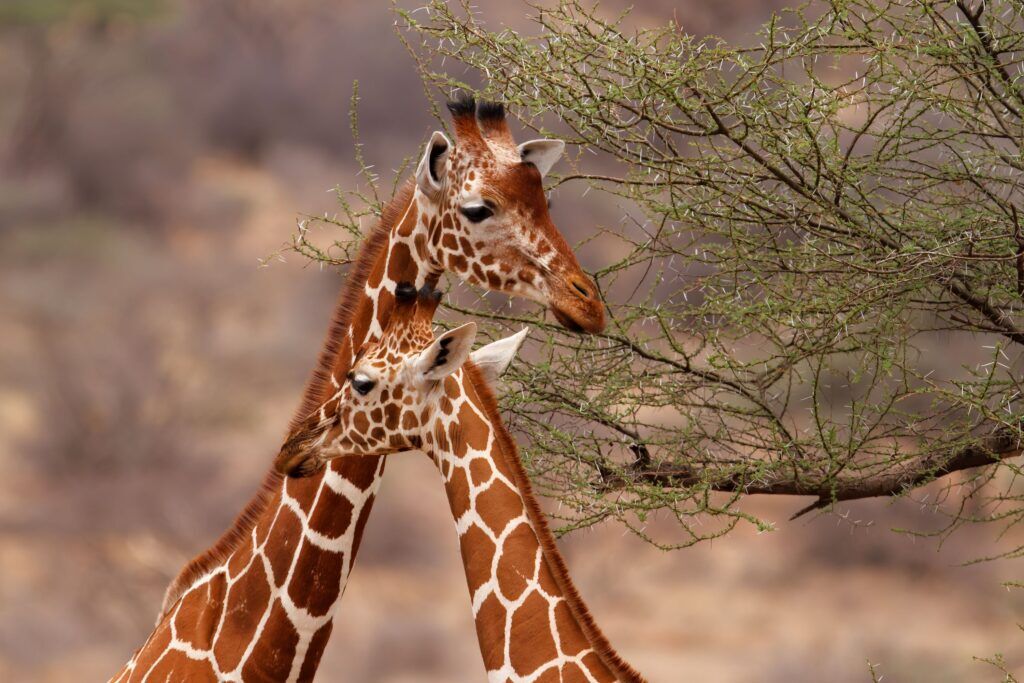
{"x":246,"y":609}
{"x":415,"y":393}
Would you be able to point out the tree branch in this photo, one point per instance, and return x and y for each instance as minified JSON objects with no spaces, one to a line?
{"x":1002,"y":445}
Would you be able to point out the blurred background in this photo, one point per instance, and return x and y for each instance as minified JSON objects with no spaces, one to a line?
{"x":152,"y":153}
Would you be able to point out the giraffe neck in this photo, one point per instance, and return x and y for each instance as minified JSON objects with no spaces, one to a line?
{"x":531,"y":622}
{"x":259,"y":604}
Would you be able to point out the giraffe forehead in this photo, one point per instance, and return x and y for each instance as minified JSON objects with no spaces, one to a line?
{"x":397,"y":347}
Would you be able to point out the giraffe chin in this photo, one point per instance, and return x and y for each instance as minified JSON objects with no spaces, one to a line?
{"x":578,"y":321}
{"x":298,"y":465}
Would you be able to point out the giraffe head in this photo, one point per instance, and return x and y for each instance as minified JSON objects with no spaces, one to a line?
{"x":397,"y":385}
{"x":491,"y":224}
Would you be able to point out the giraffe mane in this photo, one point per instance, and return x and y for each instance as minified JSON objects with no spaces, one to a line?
{"x":319,"y":383}
{"x":316,"y":387}
{"x":510,"y":452}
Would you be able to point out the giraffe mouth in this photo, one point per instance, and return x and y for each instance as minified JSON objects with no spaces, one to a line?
{"x":587,"y":319}
{"x":566,"y":321}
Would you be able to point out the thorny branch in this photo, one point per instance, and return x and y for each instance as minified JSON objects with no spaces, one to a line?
{"x":816,"y":283}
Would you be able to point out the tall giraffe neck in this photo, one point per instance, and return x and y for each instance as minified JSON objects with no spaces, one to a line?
{"x":259,"y":604}
{"x":531,"y":622}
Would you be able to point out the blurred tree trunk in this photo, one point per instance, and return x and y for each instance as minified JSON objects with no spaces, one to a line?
{"x":40,"y":131}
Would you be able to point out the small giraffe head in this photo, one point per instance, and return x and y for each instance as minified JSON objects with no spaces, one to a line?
{"x":390,"y":398}
{"x":491,"y":224}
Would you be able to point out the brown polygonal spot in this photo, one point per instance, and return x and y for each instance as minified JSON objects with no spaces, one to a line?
{"x":490,"y":631}
{"x":332,"y":514}
{"x":317,"y":579}
{"x":497,"y":505}
{"x":445,"y":405}
{"x":420,"y":243}
{"x":457,"y":488}
{"x":597,"y":668}
{"x":477,"y":556}
{"x":241,"y":558}
{"x":517,"y":561}
{"x":391,"y":415}
{"x":474,"y":430}
{"x":247,"y":600}
{"x":360,"y":471}
{"x":441,"y":437}
{"x":399,"y":262}
{"x":531,"y":643}
{"x":283,"y":542}
{"x":361,"y":323}
{"x":547,"y":581}
{"x":303,"y":490}
{"x":266,"y":519}
{"x":479,"y":470}
{"x":458,"y":444}
{"x":271,"y":659}
{"x":376,"y":274}
{"x":569,"y":633}
{"x":457,"y":262}
{"x":405,"y":229}
{"x":199,"y":613}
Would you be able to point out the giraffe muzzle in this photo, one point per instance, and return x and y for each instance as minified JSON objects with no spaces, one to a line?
{"x":577,"y":306}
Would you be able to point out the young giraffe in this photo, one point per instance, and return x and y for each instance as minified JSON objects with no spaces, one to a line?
{"x":258,"y":605}
{"x":410,"y":391}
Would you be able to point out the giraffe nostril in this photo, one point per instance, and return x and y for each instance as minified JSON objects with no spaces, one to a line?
{"x":581,"y":289}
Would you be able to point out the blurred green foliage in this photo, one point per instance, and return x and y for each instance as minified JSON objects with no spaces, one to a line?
{"x":45,"y":12}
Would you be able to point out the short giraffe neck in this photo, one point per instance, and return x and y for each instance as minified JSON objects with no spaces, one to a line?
{"x":259,"y":604}
{"x":531,"y":622}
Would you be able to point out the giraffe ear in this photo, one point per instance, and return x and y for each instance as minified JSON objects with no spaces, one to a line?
{"x":541,"y":153}
{"x":430,"y":172}
{"x":446,"y":354}
{"x":493,"y":360}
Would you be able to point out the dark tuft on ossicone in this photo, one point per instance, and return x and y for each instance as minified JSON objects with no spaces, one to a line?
{"x":490,"y":111}
{"x":462,"y":104}
{"x":405,"y":292}
{"x":428,"y":294}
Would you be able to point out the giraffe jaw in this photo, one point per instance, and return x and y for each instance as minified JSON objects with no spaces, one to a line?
{"x":565,"y":321}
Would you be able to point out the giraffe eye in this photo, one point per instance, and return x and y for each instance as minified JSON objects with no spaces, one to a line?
{"x":363,"y":384}
{"x":476,"y":213}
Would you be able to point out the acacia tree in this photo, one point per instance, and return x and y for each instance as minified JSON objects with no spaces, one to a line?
{"x":819,"y":280}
